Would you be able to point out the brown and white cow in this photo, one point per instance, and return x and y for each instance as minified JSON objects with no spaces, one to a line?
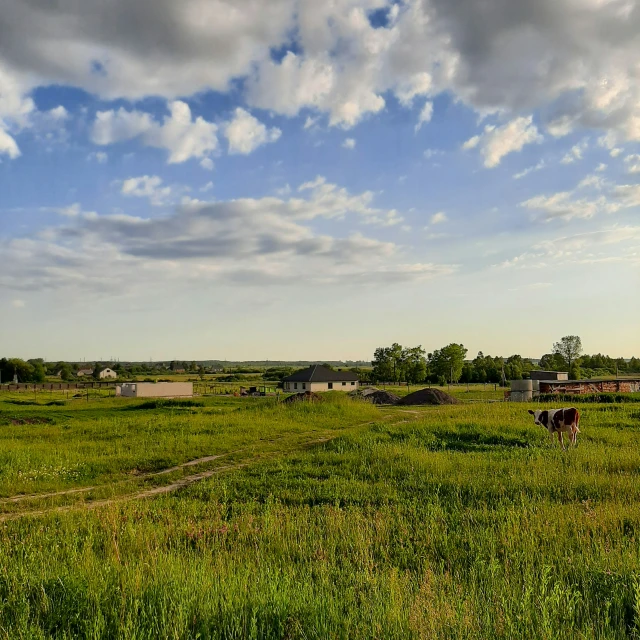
{"x":559,"y":421}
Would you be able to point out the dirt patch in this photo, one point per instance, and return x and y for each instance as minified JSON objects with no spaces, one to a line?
{"x":308,"y":396}
{"x":429,"y":396}
{"x":382,"y":397}
{"x":35,"y":420}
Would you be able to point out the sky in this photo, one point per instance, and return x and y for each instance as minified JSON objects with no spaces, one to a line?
{"x":293,"y":179}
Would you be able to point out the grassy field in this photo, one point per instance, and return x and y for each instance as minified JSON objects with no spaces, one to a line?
{"x":335,"y":520}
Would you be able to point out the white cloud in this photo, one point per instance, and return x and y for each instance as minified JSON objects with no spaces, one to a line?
{"x":556,"y":58}
{"x":17,"y":303}
{"x":425,"y":115}
{"x":438,"y":218}
{"x":592,"y":247}
{"x":183,"y":137}
{"x":310,"y":122}
{"x":207,"y":187}
{"x":8,"y":145}
{"x":245,"y":241}
{"x":528,"y":170}
{"x":601,"y":167}
{"x":246,"y":133}
{"x":633,"y":163}
{"x":575,"y":153}
{"x":207,"y":164}
{"x":497,"y":142}
{"x":431,"y":153}
{"x":566,"y":205}
{"x":349,"y":143}
{"x":99,"y":156}
{"x":146,"y":187}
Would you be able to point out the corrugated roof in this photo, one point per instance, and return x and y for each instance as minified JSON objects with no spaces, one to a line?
{"x":318,"y":373}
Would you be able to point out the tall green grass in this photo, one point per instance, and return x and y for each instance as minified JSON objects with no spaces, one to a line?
{"x":452,"y":522}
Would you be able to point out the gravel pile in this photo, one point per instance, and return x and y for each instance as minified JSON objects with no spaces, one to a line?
{"x":307,"y":396}
{"x":429,"y":396}
{"x":382,"y":397}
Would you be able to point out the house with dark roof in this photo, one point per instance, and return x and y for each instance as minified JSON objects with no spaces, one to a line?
{"x":320,"y":378}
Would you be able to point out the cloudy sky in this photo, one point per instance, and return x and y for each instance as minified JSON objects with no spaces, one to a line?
{"x":245,"y":179}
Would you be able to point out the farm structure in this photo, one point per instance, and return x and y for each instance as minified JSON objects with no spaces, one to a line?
{"x":107,"y":373}
{"x":320,"y":378}
{"x":527,"y":390}
{"x":155,"y":390}
{"x":549,"y":375}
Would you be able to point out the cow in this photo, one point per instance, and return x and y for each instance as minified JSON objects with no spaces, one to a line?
{"x":559,"y":421}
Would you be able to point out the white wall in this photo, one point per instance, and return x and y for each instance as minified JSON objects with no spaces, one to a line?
{"x":157,"y":390}
{"x":319,"y":386}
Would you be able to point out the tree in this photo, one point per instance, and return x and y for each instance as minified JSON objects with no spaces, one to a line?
{"x":448,"y":362}
{"x":570,"y":348}
{"x":414,"y":365}
{"x":387,"y":363}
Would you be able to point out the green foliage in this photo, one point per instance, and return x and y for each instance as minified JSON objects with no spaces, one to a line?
{"x":30,"y":371}
{"x":399,"y":364}
{"x":604,"y":398}
{"x":448,"y":362}
{"x":569,"y":348}
{"x":553,"y":362}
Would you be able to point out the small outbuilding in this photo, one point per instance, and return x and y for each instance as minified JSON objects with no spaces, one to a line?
{"x":84,"y":372}
{"x":549,"y":375}
{"x":155,"y":390}
{"x":320,"y":378}
{"x":107,"y":374}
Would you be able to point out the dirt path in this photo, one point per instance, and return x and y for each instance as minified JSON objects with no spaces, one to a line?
{"x":168,"y":488}
{"x":141,"y":476}
{"x":156,"y":491}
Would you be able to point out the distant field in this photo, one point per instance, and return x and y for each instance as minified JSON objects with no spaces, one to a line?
{"x":317,"y":521}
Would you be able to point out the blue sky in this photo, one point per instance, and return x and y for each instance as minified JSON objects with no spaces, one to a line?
{"x":312,"y":180}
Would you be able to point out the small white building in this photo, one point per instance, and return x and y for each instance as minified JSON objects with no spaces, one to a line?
{"x":84,"y":372}
{"x":107,"y":373}
{"x":155,"y":390}
{"x":319,"y":378}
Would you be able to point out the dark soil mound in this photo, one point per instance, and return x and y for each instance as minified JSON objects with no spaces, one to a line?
{"x":307,"y":396}
{"x":429,"y":396}
{"x":382,"y":397}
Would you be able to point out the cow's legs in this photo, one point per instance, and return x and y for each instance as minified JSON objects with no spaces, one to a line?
{"x":560,"y":439}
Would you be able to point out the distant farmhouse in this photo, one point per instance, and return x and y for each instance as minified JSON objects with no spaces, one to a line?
{"x":107,"y":373}
{"x":84,"y":372}
{"x":319,"y":378}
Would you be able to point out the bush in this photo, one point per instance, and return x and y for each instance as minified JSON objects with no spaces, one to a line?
{"x":604,"y":398}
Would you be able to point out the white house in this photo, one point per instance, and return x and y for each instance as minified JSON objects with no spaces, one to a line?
{"x":107,"y":373}
{"x":319,"y":378}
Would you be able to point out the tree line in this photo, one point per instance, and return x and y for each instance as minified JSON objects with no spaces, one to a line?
{"x":450,"y":364}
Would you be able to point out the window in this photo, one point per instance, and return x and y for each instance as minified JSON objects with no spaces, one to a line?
{"x":295,"y":385}
{"x":344,"y":384}
{"x":304,"y":385}
{"x":331,"y":385}
{"x":352,"y":384}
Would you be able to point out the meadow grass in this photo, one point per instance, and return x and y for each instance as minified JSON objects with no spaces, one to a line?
{"x":441,"y":522}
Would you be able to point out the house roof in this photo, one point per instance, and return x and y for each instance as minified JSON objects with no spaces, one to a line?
{"x":318,"y":373}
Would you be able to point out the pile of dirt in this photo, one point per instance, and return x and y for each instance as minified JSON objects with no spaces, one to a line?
{"x":429,"y":396}
{"x":364,"y":391}
{"x":382,"y":397}
{"x":307,"y":396}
